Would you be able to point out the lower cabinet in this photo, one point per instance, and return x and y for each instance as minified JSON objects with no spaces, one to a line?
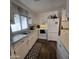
{"x":65,"y":38}
{"x":12,"y":55}
{"x":62,"y":53}
{"x":20,"y":49}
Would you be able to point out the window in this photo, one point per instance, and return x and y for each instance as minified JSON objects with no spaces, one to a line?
{"x":16,"y":27}
{"x":24,"y":22}
{"x":20,"y":23}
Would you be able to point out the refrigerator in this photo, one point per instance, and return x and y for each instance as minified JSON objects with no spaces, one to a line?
{"x":53,"y":29}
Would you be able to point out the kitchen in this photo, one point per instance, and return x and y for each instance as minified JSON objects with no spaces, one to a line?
{"x":28,"y":25}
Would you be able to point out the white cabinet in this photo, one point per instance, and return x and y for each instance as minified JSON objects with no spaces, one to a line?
{"x":65,"y":34}
{"x":65,"y":38}
{"x":20,"y":49}
{"x":12,"y":56}
{"x":32,"y":39}
{"x":62,"y":53}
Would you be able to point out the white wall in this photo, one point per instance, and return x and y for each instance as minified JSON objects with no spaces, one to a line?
{"x":35,"y":19}
{"x":44,"y":16}
{"x":67,"y":7}
{"x":63,"y":12}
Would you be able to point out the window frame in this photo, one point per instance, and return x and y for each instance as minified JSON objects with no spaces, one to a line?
{"x":22,"y":30}
{"x":21,"y":20}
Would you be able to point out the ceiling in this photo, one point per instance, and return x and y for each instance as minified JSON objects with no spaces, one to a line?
{"x":44,"y":5}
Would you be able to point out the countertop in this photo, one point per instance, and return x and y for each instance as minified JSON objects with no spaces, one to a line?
{"x":19,"y":37}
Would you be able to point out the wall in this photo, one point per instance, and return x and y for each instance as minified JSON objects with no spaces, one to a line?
{"x":35,"y":19}
{"x":67,"y":7}
{"x":42,"y":17}
{"x":33,"y":14}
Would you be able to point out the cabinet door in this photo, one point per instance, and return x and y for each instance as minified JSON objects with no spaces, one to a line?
{"x":32,"y":40}
{"x":20,"y":50}
{"x":23,"y":47}
{"x":65,"y":38}
{"x":61,"y":51}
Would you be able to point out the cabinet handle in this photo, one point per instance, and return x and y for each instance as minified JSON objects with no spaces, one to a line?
{"x":60,"y":45}
{"x":22,"y":41}
{"x":27,"y":41}
{"x":14,"y":52}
